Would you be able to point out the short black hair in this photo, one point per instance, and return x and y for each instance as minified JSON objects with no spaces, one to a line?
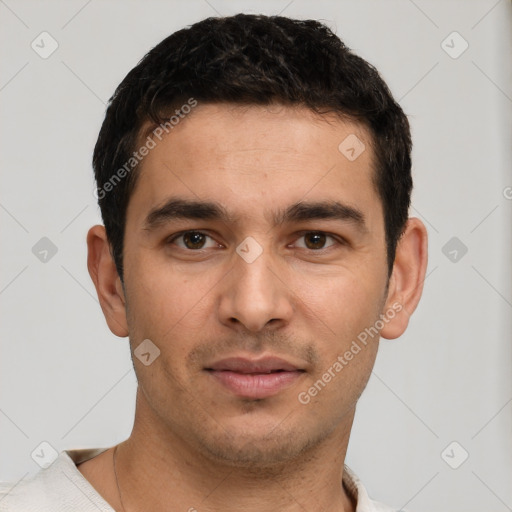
{"x":252,"y":60}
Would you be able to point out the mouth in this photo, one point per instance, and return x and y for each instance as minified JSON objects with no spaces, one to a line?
{"x":255,"y":378}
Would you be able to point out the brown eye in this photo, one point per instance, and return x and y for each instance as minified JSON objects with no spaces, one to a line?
{"x":193,"y":240}
{"x":316,"y":240}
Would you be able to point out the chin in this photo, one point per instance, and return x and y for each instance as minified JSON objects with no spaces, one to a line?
{"x":261,"y":448}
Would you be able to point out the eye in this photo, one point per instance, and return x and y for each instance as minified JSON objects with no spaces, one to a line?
{"x":197,"y":240}
{"x":193,"y":240}
{"x":316,"y":240}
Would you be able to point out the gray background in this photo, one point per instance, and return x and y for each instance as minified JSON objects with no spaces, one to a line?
{"x":66,"y":380}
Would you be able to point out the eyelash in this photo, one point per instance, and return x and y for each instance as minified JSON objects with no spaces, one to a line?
{"x":335,"y":238}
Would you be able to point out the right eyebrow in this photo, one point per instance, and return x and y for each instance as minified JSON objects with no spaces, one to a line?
{"x":176,"y":208}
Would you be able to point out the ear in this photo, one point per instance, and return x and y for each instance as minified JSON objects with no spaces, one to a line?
{"x":406,"y":281}
{"x":108,"y":284}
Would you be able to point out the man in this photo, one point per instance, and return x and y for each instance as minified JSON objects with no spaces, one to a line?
{"x":254,"y":179}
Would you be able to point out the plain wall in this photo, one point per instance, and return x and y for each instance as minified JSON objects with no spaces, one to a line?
{"x":65,"y":379}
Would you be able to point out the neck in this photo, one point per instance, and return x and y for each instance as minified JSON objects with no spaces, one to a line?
{"x":159,"y":471}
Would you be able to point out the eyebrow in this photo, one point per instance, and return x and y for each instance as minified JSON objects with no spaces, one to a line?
{"x":179,"y":208}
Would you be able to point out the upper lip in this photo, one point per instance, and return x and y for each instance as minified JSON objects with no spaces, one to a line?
{"x":245,"y":365}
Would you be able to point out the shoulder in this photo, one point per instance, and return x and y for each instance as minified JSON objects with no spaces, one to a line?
{"x":59,"y":487}
{"x":364,"y":504}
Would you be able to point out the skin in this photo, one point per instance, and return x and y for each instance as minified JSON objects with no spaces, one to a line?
{"x":194,"y":443}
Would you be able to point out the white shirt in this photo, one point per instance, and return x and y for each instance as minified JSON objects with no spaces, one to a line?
{"x":62,"y":488}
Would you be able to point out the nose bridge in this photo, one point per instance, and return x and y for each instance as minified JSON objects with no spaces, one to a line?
{"x":254,"y":294}
{"x":253,"y":267}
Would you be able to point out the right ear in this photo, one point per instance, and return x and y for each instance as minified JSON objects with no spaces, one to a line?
{"x":109,"y":288}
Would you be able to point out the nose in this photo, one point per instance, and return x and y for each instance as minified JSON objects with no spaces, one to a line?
{"x":254,"y":295}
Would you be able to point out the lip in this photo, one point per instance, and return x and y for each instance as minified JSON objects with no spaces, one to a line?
{"x":255,"y":378}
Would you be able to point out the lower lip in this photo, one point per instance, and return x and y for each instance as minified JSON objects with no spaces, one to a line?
{"x":255,"y":385}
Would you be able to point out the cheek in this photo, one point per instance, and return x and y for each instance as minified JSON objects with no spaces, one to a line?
{"x":165,"y":296}
{"x":344,"y":314}
{"x":163,"y":308}
{"x":341,"y":304}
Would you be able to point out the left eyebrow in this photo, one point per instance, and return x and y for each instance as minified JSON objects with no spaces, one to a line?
{"x":181,"y":208}
{"x":330,"y":210}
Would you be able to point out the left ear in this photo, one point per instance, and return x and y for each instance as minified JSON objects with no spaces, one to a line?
{"x":406,"y":281}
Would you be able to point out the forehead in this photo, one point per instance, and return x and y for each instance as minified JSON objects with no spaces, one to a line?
{"x":224,"y":129}
{"x":254,"y":158}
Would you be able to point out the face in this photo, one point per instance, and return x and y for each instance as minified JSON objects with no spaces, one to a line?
{"x":254,"y":259}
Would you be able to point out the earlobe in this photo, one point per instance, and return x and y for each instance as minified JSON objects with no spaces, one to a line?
{"x":406,"y":281}
{"x":108,"y":284}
